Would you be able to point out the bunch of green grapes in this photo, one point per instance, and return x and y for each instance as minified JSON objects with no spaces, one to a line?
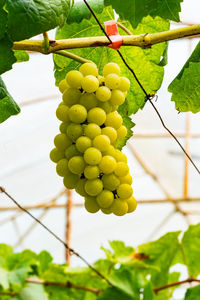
{"x":85,"y":149}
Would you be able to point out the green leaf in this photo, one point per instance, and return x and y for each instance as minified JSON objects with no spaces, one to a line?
{"x":8,"y":107}
{"x":44,"y":260}
{"x":3,"y":18}
{"x":21,"y":55}
{"x":33,"y":292}
{"x":193,"y":293}
{"x":79,"y":10}
{"x":17,"y":277}
{"x":4,"y":278}
{"x":135,"y":10}
{"x":148,"y":293}
{"x":161,"y":254}
{"x":121,"y":253}
{"x":7,"y":58}
{"x":28,"y":18}
{"x":115,"y":294}
{"x":191,"y":248}
{"x":129,"y":125}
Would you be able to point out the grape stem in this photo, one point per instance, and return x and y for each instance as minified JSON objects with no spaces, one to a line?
{"x":72,"y":56}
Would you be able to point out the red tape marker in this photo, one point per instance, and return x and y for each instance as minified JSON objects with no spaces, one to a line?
{"x":112,"y":32}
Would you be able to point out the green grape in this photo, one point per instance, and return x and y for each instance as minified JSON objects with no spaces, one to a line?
{"x":62,"y":167}
{"x":56,"y":155}
{"x":96,"y":115}
{"x":111,"y":68}
{"x":105,"y":199}
{"x":92,"y":156}
{"x":91,"y":172}
{"x":74,"y":78}
{"x":117,"y":97}
{"x":101,"y":79}
{"x":80,"y":187}
{"x":124,"y":191}
{"x":93,"y":187}
{"x":110,"y":182}
{"x":61,"y":141}
{"x":106,"y":211}
{"x":92,"y":130}
{"x":114,"y":107}
{"x":71,"y":96}
{"x":90,"y":83}
{"x":126,"y":179}
{"x":76,"y":164}
{"x":110,"y":151}
{"x":112,"y":81}
{"x":91,"y":205}
{"x":63,"y":85}
{"x":74,"y":131}
{"x":63,"y":127}
{"x":124,"y":84}
{"x":106,"y":106}
{"x":83,"y":143}
{"x":121,"y":169}
{"x":71,"y":151}
{"x":110,"y":132}
{"x":101,"y":142}
{"x":70,"y":180}
{"x":103,"y":93}
{"x":132,"y":204}
{"x":88,"y":100}
{"x":77,"y":113}
{"x":119,"y":207}
{"x":108,"y":164}
{"x":89,"y":69}
{"x":119,"y":156}
{"x":113,"y":119}
{"x":62,"y":113}
{"x":121,"y":132}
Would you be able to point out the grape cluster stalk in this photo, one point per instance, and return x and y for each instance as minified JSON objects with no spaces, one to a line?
{"x":85,"y":152}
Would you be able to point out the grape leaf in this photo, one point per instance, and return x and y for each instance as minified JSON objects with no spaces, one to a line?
{"x":193,"y":293}
{"x":135,"y":10}
{"x":17,"y":277}
{"x":79,"y":10}
{"x":185,"y":88}
{"x":3,"y":18}
{"x":28,"y":18}
{"x":21,"y":55}
{"x":120,"y":253}
{"x":148,"y":293}
{"x":7,"y":58}
{"x":4,"y":278}
{"x":33,"y":292}
{"x":8,"y":107}
{"x":114,"y":293}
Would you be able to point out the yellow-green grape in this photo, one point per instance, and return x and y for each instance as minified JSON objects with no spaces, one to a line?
{"x":91,"y":205}
{"x":124,"y":84}
{"x":91,"y":172}
{"x":108,"y":164}
{"x":132,"y":204}
{"x":62,"y":113}
{"x":74,"y":78}
{"x":105,"y":199}
{"x":63,"y":85}
{"x":90,"y":83}
{"x":62,"y":167}
{"x":61,"y":141}
{"x":107,"y":106}
{"x":119,"y":156}
{"x":114,"y":107}
{"x":111,"y":68}
{"x":106,"y":211}
{"x":89,"y":69}
{"x":121,"y":132}
{"x":110,"y":132}
{"x":71,"y":151}
{"x":101,"y":142}
{"x":63,"y":127}
{"x":103,"y":93}
{"x":124,"y":191}
{"x":96,"y":115}
{"x":76,"y":164}
{"x":56,"y":155}
{"x":77,"y":113}
{"x":121,"y":169}
{"x":74,"y":131}
{"x":112,"y":81}
{"x":80,"y":187}
{"x":111,"y":151}
{"x":126,"y":179}
{"x":71,"y":96}
{"x":101,"y":79}
{"x":92,"y":156}
{"x":70,"y":180}
{"x":113,"y":119}
{"x":92,"y":130}
{"x":83,"y":143}
{"x":117,"y":97}
{"x":110,"y":182}
{"x":93,"y":187}
{"x":119,"y":207}
{"x":88,"y":100}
